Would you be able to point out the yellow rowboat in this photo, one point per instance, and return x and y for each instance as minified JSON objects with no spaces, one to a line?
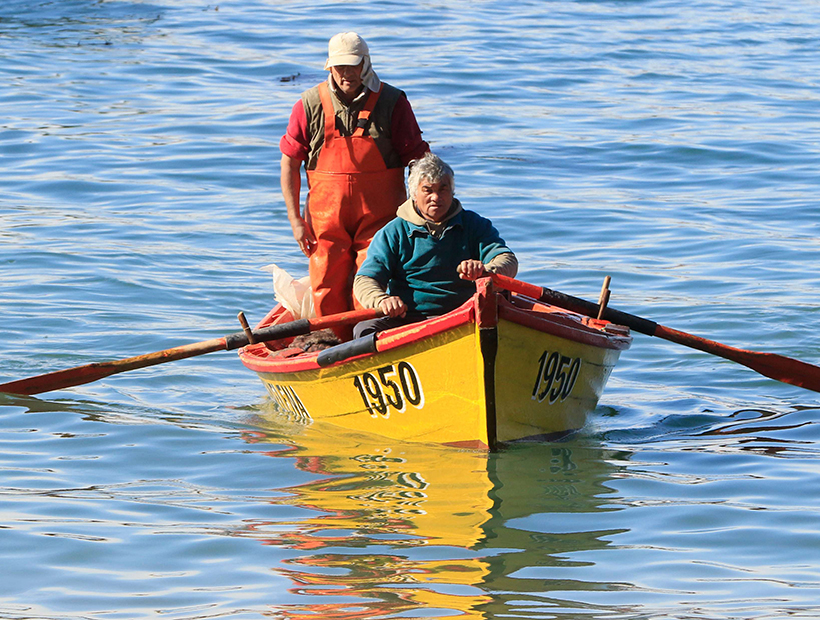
{"x":502,"y":367}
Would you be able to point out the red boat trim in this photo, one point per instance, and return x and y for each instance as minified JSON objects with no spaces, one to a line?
{"x":486,"y":304}
{"x":260,"y":358}
{"x":484,"y":308}
{"x":408,"y":334}
{"x":564,"y":325}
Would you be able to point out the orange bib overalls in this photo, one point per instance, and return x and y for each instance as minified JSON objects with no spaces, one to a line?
{"x":352,"y":194}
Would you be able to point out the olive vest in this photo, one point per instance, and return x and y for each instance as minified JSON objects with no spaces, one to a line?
{"x":346,"y":119}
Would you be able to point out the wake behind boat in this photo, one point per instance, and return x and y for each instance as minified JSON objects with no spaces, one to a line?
{"x":502,"y":367}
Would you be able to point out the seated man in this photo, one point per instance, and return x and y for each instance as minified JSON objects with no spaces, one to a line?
{"x":421,"y":264}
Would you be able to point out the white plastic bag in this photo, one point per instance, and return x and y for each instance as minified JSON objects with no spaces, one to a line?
{"x":294,"y":294}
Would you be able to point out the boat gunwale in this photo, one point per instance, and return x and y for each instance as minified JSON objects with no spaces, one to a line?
{"x":548,"y":319}
{"x":387,"y":341}
{"x":557,"y":321}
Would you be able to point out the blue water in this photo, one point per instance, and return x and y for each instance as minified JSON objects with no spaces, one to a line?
{"x":673,"y":146}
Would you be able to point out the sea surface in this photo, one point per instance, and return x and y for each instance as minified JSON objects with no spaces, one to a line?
{"x":673,"y":146}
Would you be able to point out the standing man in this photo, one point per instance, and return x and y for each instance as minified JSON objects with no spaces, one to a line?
{"x":355,"y":135}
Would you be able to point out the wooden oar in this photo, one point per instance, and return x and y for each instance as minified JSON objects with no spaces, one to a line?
{"x":779,"y":367}
{"x":79,"y":375}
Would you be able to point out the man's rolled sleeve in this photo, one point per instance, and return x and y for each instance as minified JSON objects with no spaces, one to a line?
{"x":505,"y":264}
{"x":368,"y":291}
{"x":295,"y":142}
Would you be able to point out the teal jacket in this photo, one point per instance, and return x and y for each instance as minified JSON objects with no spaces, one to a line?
{"x":411,"y":263}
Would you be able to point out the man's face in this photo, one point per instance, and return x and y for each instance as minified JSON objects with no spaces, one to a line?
{"x":348,"y":78}
{"x":433,"y":200}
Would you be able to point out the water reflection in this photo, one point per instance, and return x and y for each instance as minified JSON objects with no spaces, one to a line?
{"x":771,"y":433}
{"x":394,"y":528}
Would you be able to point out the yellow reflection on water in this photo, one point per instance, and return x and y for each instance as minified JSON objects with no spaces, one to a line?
{"x":406,"y":528}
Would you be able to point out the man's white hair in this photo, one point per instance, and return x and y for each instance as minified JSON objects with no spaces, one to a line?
{"x":431,"y":168}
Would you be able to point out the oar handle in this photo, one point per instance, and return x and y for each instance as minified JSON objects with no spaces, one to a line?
{"x":575,"y":304}
{"x":299,"y":327}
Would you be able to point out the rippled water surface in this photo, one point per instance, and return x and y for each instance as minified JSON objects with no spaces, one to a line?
{"x":673,"y":146}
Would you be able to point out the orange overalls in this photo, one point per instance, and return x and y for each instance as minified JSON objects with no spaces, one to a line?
{"x":352,"y":194}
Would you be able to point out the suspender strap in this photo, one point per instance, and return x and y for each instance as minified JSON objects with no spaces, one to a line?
{"x":327,"y":108}
{"x":364,"y":115}
{"x":330,"y":114}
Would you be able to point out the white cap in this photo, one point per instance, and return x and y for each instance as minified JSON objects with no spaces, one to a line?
{"x":346,"y":48}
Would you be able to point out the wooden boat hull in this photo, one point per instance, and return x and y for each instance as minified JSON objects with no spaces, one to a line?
{"x":492,"y":371}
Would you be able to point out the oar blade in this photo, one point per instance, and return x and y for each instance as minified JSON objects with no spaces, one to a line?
{"x":787,"y":370}
{"x":772,"y":365}
{"x":58,"y":380}
{"x":80,"y":375}
{"x":88,"y":373}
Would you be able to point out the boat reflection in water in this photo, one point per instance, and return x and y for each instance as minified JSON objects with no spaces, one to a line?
{"x":421,"y":530}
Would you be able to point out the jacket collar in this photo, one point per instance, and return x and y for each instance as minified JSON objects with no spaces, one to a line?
{"x":407,"y":212}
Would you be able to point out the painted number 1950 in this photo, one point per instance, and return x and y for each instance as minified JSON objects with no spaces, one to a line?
{"x":556,"y":377}
{"x":390,"y":386}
